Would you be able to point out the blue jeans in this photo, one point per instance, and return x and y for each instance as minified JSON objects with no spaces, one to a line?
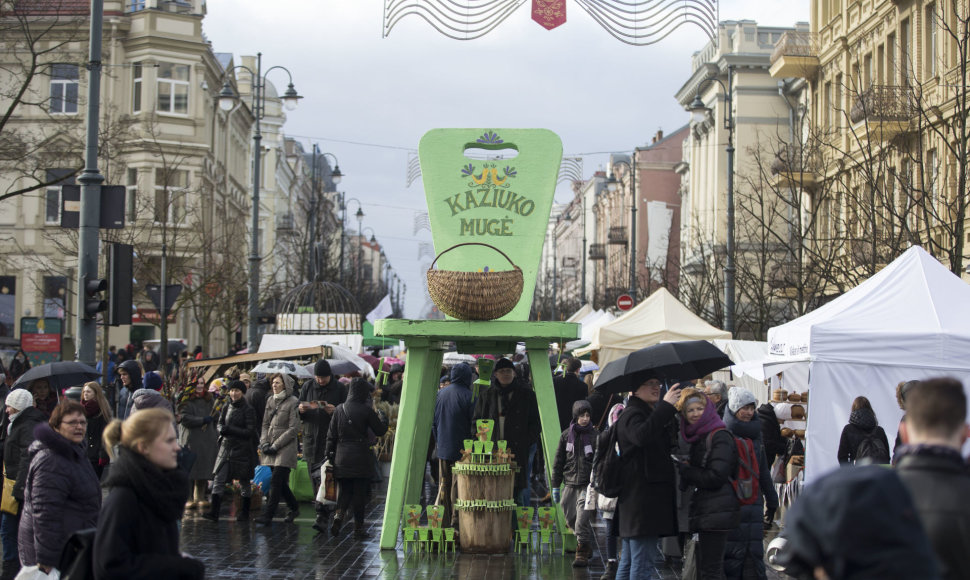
{"x":9,"y":525}
{"x":525,"y":495}
{"x":638,"y":558}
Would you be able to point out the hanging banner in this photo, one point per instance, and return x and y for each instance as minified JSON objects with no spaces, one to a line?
{"x":41,"y":339}
{"x":549,"y":13}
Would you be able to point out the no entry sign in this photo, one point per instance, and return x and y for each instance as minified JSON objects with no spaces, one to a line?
{"x":624,"y":302}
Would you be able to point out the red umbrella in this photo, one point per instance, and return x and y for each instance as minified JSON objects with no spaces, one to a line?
{"x":371,"y":360}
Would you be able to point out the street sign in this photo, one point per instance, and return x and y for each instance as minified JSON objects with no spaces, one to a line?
{"x":112,"y":211}
{"x":624,"y":302}
{"x":172,"y":292}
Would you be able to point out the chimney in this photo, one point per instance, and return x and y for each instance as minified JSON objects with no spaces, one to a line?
{"x":659,"y":136}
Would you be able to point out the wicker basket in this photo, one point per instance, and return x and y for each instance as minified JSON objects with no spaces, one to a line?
{"x":475,"y":295}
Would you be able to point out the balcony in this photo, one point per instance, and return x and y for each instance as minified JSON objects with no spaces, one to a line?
{"x":795,"y":55}
{"x":597,"y":251}
{"x":617,"y":235}
{"x":861,"y":251}
{"x":882,"y":112}
{"x":794,"y":166}
{"x":284,"y":223}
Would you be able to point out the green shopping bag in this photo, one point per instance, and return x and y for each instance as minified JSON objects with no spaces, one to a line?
{"x":300,"y":483}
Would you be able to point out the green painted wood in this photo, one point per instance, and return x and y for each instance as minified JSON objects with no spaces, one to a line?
{"x":549,"y":417}
{"x":501,"y":202}
{"x":424,"y":341}
{"x":411,"y":438}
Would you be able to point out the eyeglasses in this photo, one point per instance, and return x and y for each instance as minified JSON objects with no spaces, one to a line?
{"x":81,"y":423}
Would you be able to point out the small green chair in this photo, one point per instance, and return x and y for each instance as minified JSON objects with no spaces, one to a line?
{"x":449,"y":539}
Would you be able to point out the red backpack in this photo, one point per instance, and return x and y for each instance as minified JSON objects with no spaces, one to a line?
{"x":745,"y":481}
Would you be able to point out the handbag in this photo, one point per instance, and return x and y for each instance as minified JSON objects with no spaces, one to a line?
{"x":778,"y":470}
{"x":690,"y":571}
{"x":77,"y":557}
{"x":35,"y":573}
{"x":300,"y":483}
{"x":327,"y":494}
{"x":9,"y":504}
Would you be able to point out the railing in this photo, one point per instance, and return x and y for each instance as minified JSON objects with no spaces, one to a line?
{"x":794,"y":43}
{"x":284,"y":222}
{"x":617,"y":235}
{"x":597,"y":251}
{"x":882,"y":103}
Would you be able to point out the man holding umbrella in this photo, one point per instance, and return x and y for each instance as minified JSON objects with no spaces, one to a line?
{"x":319,"y":398}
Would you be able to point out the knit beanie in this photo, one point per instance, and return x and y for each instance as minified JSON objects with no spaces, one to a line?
{"x":322,"y":369}
{"x":237,"y":385}
{"x":152,"y":381}
{"x":740,"y":397}
{"x":503,"y":363}
{"x":20,"y":399}
{"x":582,"y":406}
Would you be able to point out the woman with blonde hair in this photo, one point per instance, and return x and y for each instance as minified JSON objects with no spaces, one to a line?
{"x":98,"y":413}
{"x":138,"y":535}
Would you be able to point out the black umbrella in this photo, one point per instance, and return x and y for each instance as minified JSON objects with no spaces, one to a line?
{"x":60,"y":375}
{"x":669,"y":361}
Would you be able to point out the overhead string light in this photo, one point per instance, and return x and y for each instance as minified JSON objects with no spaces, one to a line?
{"x":636,"y":22}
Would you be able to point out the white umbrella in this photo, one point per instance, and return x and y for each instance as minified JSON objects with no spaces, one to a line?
{"x":341,"y":352}
{"x":284,"y":367}
{"x":452,"y":358}
{"x":589,"y":366}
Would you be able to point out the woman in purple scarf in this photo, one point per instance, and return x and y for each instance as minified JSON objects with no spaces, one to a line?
{"x":714,"y":507}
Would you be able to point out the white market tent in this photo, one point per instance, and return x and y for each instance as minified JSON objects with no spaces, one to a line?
{"x":659,"y":318}
{"x":588,"y":325}
{"x":742,"y":352}
{"x":909,"y":321}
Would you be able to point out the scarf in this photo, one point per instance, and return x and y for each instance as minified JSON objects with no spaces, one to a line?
{"x":164,"y":492}
{"x":863,"y":418}
{"x":13,"y":417}
{"x":708,"y":422}
{"x":91,"y":408}
{"x":585,"y":433}
{"x":928,"y":450}
{"x":280,"y":395}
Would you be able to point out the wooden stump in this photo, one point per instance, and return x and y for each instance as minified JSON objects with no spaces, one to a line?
{"x":483,"y":531}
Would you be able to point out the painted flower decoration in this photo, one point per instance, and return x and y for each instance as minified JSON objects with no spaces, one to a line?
{"x":490,"y":138}
{"x":510,"y":171}
{"x":468,"y":170}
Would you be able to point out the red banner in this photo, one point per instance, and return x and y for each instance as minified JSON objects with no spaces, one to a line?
{"x":40,"y":342}
{"x":149,"y":316}
{"x":549,"y":13}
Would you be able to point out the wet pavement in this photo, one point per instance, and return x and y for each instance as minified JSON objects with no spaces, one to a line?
{"x":233,"y":549}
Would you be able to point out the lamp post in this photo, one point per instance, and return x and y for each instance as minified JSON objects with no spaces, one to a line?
{"x":583,"y":283}
{"x":343,"y":229}
{"x":227,"y":100}
{"x":335,"y":176}
{"x":373,"y":242}
{"x":360,"y":245}
{"x":699,"y":114}
{"x":611,"y":184}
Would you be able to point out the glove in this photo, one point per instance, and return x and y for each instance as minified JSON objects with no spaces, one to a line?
{"x":268,"y":449}
{"x":556,"y":497}
{"x":769,"y":518}
{"x":273,"y":450}
{"x":207,"y":419}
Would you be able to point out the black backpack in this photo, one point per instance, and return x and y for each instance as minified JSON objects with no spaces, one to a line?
{"x":872,"y":448}
{"x":608,"y":469}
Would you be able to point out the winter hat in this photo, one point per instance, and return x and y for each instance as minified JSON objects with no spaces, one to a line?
{"x":152,"y":381}
{"x":237,"y":385}
{"x":245,"y":377}
{"x":149,"y":399}
{"x":740,"y":397}
{"x":20,"y":399}
{"x":322,"y":369}
{"x":503,"y":363}
{"x":582,"y":406}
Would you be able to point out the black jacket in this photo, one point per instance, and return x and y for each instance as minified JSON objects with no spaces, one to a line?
{"x":93,"y":444}
{"x":940,"y":485}
{"x":316,"y":422}
{"x":569,"y":389}
{"x":574,"y":467}
{"x":744,"y":553}
{"x":138,"y":535}
{"x":713,"y":504}
{"x":348,"y":441}
{"x":16,"y":445}
{"x":256,"y":397}
{"x":601,"y":405}
{"x":852,"y":436}
{"x":647,"y":504}
{"x":775,"y":445}
{"x":237,"y":431}
{"x":521,"y":429}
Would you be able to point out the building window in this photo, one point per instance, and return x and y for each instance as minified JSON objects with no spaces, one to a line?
{"x":135,"y":5}
{"x":131,"y":193}
{"x":55,"y":293}
{"x":932,"y":185}
{"x":52,"y":195}
{"x":905,"y":52}
{"x":891,"y":59}
{"x":136,"y":87}
{"x":173,"y":88}
{"x":64,"y":89}
{"x":8,"y":305}
{"x":931,"y":39}
{"x":170,"y":190}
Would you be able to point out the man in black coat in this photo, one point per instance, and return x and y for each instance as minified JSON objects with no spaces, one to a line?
{"x":569,"y":389}
{"x":515,"y":411}
{"x":647,"y":504}
{"x":932,"y":468}
{"x":775,"y":444}
{"x":319,"y":398}
{"x":256,"y":397}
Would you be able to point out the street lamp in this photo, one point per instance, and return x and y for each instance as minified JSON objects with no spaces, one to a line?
{"x":612,"y":184}
{"x":699,"y":114}
{"x":335,"y":176}
{"x":360,"y":245}
{"x":373,"y":242}
{"x":227,"y":100}
{"x":343,"y":229}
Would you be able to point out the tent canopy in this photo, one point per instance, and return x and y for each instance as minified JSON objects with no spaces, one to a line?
{"x":743,"y":353}
{"x":659,"y":318}
{"x":909,"y":321}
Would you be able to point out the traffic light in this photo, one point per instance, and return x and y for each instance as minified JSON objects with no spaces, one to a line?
{"x":119,"y":275}
{"x":93,"y":301}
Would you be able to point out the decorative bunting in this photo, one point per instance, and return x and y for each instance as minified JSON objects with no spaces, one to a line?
{"x":549,"y":13}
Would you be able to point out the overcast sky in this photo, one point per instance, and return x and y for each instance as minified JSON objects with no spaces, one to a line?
{"x":368,"y":99}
